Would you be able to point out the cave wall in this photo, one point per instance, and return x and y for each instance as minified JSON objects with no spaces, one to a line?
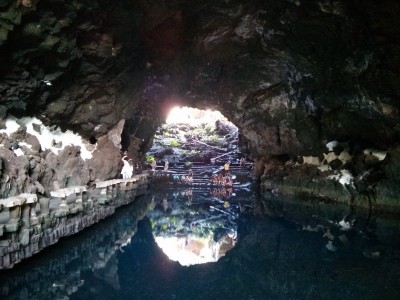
{"x":292,"y":75}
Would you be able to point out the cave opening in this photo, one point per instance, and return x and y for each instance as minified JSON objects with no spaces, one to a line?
{"x":197,"y":198}
{"x":190,"y":135}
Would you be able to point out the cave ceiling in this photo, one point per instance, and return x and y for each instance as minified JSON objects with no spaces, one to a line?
{"x":291,"y":75}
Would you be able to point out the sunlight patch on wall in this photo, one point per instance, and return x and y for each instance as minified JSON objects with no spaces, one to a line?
{"x":48,"y":136}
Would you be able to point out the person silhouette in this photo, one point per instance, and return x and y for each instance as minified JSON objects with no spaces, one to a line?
{"x":126,"y":171}
{"x":166,"y":165}
{"x":153,"y":165}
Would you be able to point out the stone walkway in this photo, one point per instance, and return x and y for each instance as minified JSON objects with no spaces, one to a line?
{"x":29,"y":223}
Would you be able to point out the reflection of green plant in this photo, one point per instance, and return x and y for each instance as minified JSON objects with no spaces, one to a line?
{"x":174,"y":144}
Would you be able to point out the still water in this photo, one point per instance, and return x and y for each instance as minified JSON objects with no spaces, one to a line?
{"x":268,"y":248}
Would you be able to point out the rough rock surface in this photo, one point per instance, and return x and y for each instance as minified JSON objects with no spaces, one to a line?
{"x":27,"y":225}
{"x":291,"y":75}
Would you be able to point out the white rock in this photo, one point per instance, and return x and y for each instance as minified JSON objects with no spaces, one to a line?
{"x":331,"y":145}
{"x":346,"y":178}
{"x":311,"y":160}
{"x":330,"y":157}
{"x":377,"y":153}
{"x":344,"y":225}
{"x":344,"y":156}
{"x":330,"y":246}
{"x":30,"y":198}
{"x":324,"y":168}
{"x":12,"y":201}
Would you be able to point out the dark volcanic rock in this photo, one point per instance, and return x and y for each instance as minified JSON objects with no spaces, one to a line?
{"x":291,"y":75}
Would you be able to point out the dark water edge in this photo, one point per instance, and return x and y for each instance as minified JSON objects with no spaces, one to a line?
{"x":280,"y":256}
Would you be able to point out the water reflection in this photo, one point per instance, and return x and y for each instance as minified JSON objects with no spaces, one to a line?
{"x":283,"y":256}
{"x":57,"y":272}
{"x":195,"y":226}
{"x":337,"y":223}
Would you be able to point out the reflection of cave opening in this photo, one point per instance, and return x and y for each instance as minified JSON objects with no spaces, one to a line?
{"x":194,"y":218}
{"x":191,"y":227}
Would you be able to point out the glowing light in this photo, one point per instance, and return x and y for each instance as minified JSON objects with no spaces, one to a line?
{"x":194,"y":250}
{"x":187,"y":251}
{"x":193,"y":116}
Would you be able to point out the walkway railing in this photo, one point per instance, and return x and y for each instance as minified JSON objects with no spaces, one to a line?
{"x":29,"y":224}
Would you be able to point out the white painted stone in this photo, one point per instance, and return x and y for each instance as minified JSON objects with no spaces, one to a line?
{"x":330,"y":157}
{"x":58,"y":194}
{"x":330,"y":246}
{"x":344,"y":225}
{"x":345,"y":157}
{"x":311,"y":160}
{"x":30,"y":198}
{"x":324,"y":168}
{"x":12,"y":201}
{"x":381,"y":155}
{"x":331,"y":145}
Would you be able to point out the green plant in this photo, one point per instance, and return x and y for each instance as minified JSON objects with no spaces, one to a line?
{"x":149,"y":159}
{"x":208,"y":128}
{"x":174,"y":144}
{"x":194,"y":154}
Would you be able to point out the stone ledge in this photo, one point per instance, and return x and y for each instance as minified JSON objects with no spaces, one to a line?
{"x":29,"y":224}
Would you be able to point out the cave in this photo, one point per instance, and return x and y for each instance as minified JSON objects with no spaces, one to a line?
{"x":313,"y":89}
{"x":194,"y":215}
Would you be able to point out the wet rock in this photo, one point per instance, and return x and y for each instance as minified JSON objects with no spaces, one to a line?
{"x":336,"y":164}
{"x":330,"y":246}
{"x":373,"y":252}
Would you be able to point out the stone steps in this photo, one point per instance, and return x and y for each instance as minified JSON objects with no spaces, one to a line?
{"x":201,"y":174}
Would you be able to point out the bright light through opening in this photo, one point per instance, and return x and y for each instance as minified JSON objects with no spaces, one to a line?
{"x":193,"y":116}
{"x":196,"y":251}
{"x":193,"y":250}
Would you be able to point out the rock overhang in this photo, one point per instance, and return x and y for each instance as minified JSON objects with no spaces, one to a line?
{"x":291,"y":75}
